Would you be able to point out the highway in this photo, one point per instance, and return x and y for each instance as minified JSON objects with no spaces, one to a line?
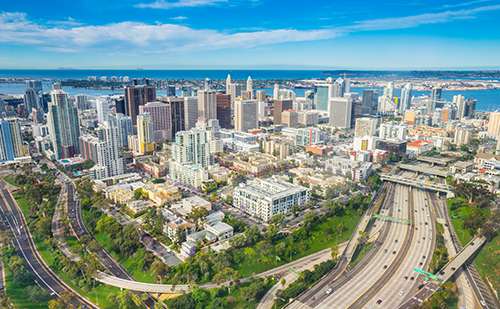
{"x":79,"y":228}
{"x":26,"y":249}
{"x":390,"y":293}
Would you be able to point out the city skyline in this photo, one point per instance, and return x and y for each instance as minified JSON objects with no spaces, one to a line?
{"x":200,"y":34}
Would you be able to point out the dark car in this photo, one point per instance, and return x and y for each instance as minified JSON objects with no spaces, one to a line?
{"x":393,"y":252}
{"x":406,"y":277}
{"x":385,"y":266}
{"x":412,"y":278}
{"x":453,"y":269}
{"x":379,"y":302}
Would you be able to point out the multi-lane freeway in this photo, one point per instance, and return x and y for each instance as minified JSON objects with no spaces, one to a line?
{"x":26,"y":249}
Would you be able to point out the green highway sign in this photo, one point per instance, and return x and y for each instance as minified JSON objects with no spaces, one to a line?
{"x":426,"y":274}
{"x":419,"y":271}
{"x":392,"y":218}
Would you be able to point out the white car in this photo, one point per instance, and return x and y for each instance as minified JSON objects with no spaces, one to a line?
{"x":401,"y":293}
{"x":329,"y":291}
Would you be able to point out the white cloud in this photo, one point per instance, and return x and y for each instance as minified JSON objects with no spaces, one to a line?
{"x":162,"y":4}
{"x":179,"y":18}
{"x":135,"y":38}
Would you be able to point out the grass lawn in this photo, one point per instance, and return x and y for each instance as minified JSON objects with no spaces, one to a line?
{"x":316,"y":242}
{"x":456,"y":219}
{"x":488,"y":263}
{"x":22,"y":203}
{"x":102,"y":290}
{"x":11,"y":181}
{"x":16,"y":293}
{"x":359,"y":253}
{"x":130,"y":264}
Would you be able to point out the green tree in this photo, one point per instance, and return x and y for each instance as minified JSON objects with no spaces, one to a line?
{"x":227,"y":275}
{"x":199,"y":215}
{"x":94,"y":246}
{"x":66,"y":300}
{"x":272,"y":232}
{"x":138,"y":194}
{"x":253,"y":235}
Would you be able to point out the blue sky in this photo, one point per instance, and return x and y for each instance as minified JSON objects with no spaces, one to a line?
{"x":250,"y":34}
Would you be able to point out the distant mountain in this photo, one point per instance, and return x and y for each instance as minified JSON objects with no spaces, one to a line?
{"x":417,"y":74}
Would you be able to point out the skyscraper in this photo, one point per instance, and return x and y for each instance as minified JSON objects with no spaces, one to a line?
{"x":207,"y":104}
{"x":261,"y":95}
{"x":279,"y":107}
{"x":435,"y":96}
{"x":81,"y":102}
{"x":228,"y":83}
{"x":135,"y":96}
{"x":208,"y":84}
{"x":193,"y":147}
{"x":145,"y":133}
{"x":63,"y":125}
{"x":459,"y":101}
{"x":406,"y":95}
{"x":276,"y":92}
{"x":34,"y":84}
{"x":177,"y":113}
{"x":31,"y":99}
{"x":124,"y":126}
{"x":471,"y":108}
{"x":2,"y":108}
{"x":186,"y":91}
{"x":6,"y":147}
{"x":16,"y":137}
{"x":389,"y":90}
{"x":224,"y":110}
{"x":245,"y":115}
{"x":370,"y":98}
{"x":340,"y":112}
{"x":235,"y":91}
{"x":170,"y":91}
{"x":162,"y":119}
{"x":104,"y":151}
{"x":102,"y":107}
{"x":250,"y":87}
{"x":190,"y":112}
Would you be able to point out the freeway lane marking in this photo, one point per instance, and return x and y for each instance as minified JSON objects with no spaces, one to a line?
{"x":35,"y":253}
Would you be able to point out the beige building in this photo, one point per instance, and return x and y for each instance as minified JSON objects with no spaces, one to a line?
{"x":218,"y":173}
{"x":261,"y":95}
{"x":462,"y":136}
{"x":245,"y":115}
{"x":281,"y":147}
{"x":161,"y":193}
{"x":494,"y":125}
{"x":289,"y":118}
{"x":253,"y":163}
{"x":365,"y":126}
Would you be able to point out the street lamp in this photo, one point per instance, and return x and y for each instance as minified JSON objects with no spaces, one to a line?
{"x":291,"y":254}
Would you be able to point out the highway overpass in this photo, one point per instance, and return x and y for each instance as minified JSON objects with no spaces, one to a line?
{"x":441,"y":161}
{"x":424,"y":169}
{"x":440,"y":187}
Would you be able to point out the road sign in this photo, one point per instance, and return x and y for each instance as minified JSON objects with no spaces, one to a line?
{"x":426,"y":274}
{"x":419,"y":271}
{"x":392,"y":218}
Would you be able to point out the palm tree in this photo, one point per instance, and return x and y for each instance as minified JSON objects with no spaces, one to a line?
{"x":283,"y":281}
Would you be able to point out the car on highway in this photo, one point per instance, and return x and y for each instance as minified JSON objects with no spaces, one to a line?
{"x":420,"y":264}
{"x":379,"y":302}
{"x":425,"y":223}
{"x":161,"y":254}
{"x":415,"y":210}
{"x":395,"y":240}
{"x":423,"y":256}
{"x":385,"y":251}
{"x":480,"y":236}
{"x":401,"y":293}
{"x":441,"y":272}
{"x":416,"y":228}
{"x":418,"y":241}
{"x":393,"y":252}
{"x":420,"y":223}
{"x":406,"y":278}
{"x":472,"y":244}
{"x":412,"y":278}
{"x":385,"y":266}
{"x":329,"y":291}
{"x":482,"y":302}
{"x":453,"y":269}
{"x":118,"y":274}
{"x":25,"y":238}
{"x":423,"y":238}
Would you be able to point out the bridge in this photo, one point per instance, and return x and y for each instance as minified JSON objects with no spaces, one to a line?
{"x":440,"y":187}
{"x":141,"y":286}
{"x":424,"y":169}
{"x":433,"y":160}
{"x":446,"y":273}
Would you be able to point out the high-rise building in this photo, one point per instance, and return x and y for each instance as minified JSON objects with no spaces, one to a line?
{"x":459,"y":101}
{"x":261,"y":95}
{"x":16,"y":137}
{"x":276,"y":92}
{"x":389,"y":131}
{"x":162,"y":121}
{"x":289,"y":118}
{"x":308,"y":136}
{"x":323,"y":94}
{"x":81,"y":102}
{"x":63,"y":125}
{"x":389,"y":90}
{"x":207,"y":104}
{"x":370,"y":98}
{"x":124,"y":126}
{"x":37,"y":115}
{"x":494,"y":124}
{"x":3,"y":112}
{"x":6,"y":147}
{"x":406,"y":95}
{"x":435,"y":96}
{"x":365,"y":126}
{"x":340,"y":112}
{"x":178,"y":113}
{"x":208,"y":84}
{"x":31,"y":99}
{"x":34,"y":84}
{"x":228,"y":83}
{"x":193,"y":146}
{"x":186,"y":91}
{"x":471,"y":108}
{"x":250,"y":87}
{"x":136,"y":96}
{"x":104,"y":151}
{"x":235,"y":91}
{"x":462,"y":135}
{"x":224,"y":110}
{"x":170,"y":91}
{"x":102,"y":107}
{"x":145,"y":133}
{"x":279,"y":107}
{"x":245,"y":115}
{"x":190,"y":112}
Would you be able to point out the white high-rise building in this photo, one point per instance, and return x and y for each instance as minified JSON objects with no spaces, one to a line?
{"x":81,"y":102}
{"x":389,"y":90}
{"x":406,"y":95}
{"x":340,"y":111}
{"x":207,"y":104}
{"x":365,"y":126}
{"x":31,"y":99}
{"x":190,"y":112}
{"x":235,"y":91}
{"x":389,"y":131}
{"x":250,"y":87}
{"x":245,"y":115}
{"x":228,"y":83}
{"x":459,"y":101}
{"x":102,"y":107}
{"x":276,"y":92}
{"x":124,"y":126}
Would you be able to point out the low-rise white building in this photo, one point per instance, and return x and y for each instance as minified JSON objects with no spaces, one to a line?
{"x":220,"y":229}
{"x":187,"y":173}
{"x":362,"y":172}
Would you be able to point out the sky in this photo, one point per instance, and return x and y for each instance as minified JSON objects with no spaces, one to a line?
{"x":250,"y":34}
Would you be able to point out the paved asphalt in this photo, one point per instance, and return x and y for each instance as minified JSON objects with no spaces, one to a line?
{"x":26,"y":249}
{"x":80,"y":229}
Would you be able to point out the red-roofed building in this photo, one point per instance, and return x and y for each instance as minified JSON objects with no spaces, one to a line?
{"x":419,"y":146}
